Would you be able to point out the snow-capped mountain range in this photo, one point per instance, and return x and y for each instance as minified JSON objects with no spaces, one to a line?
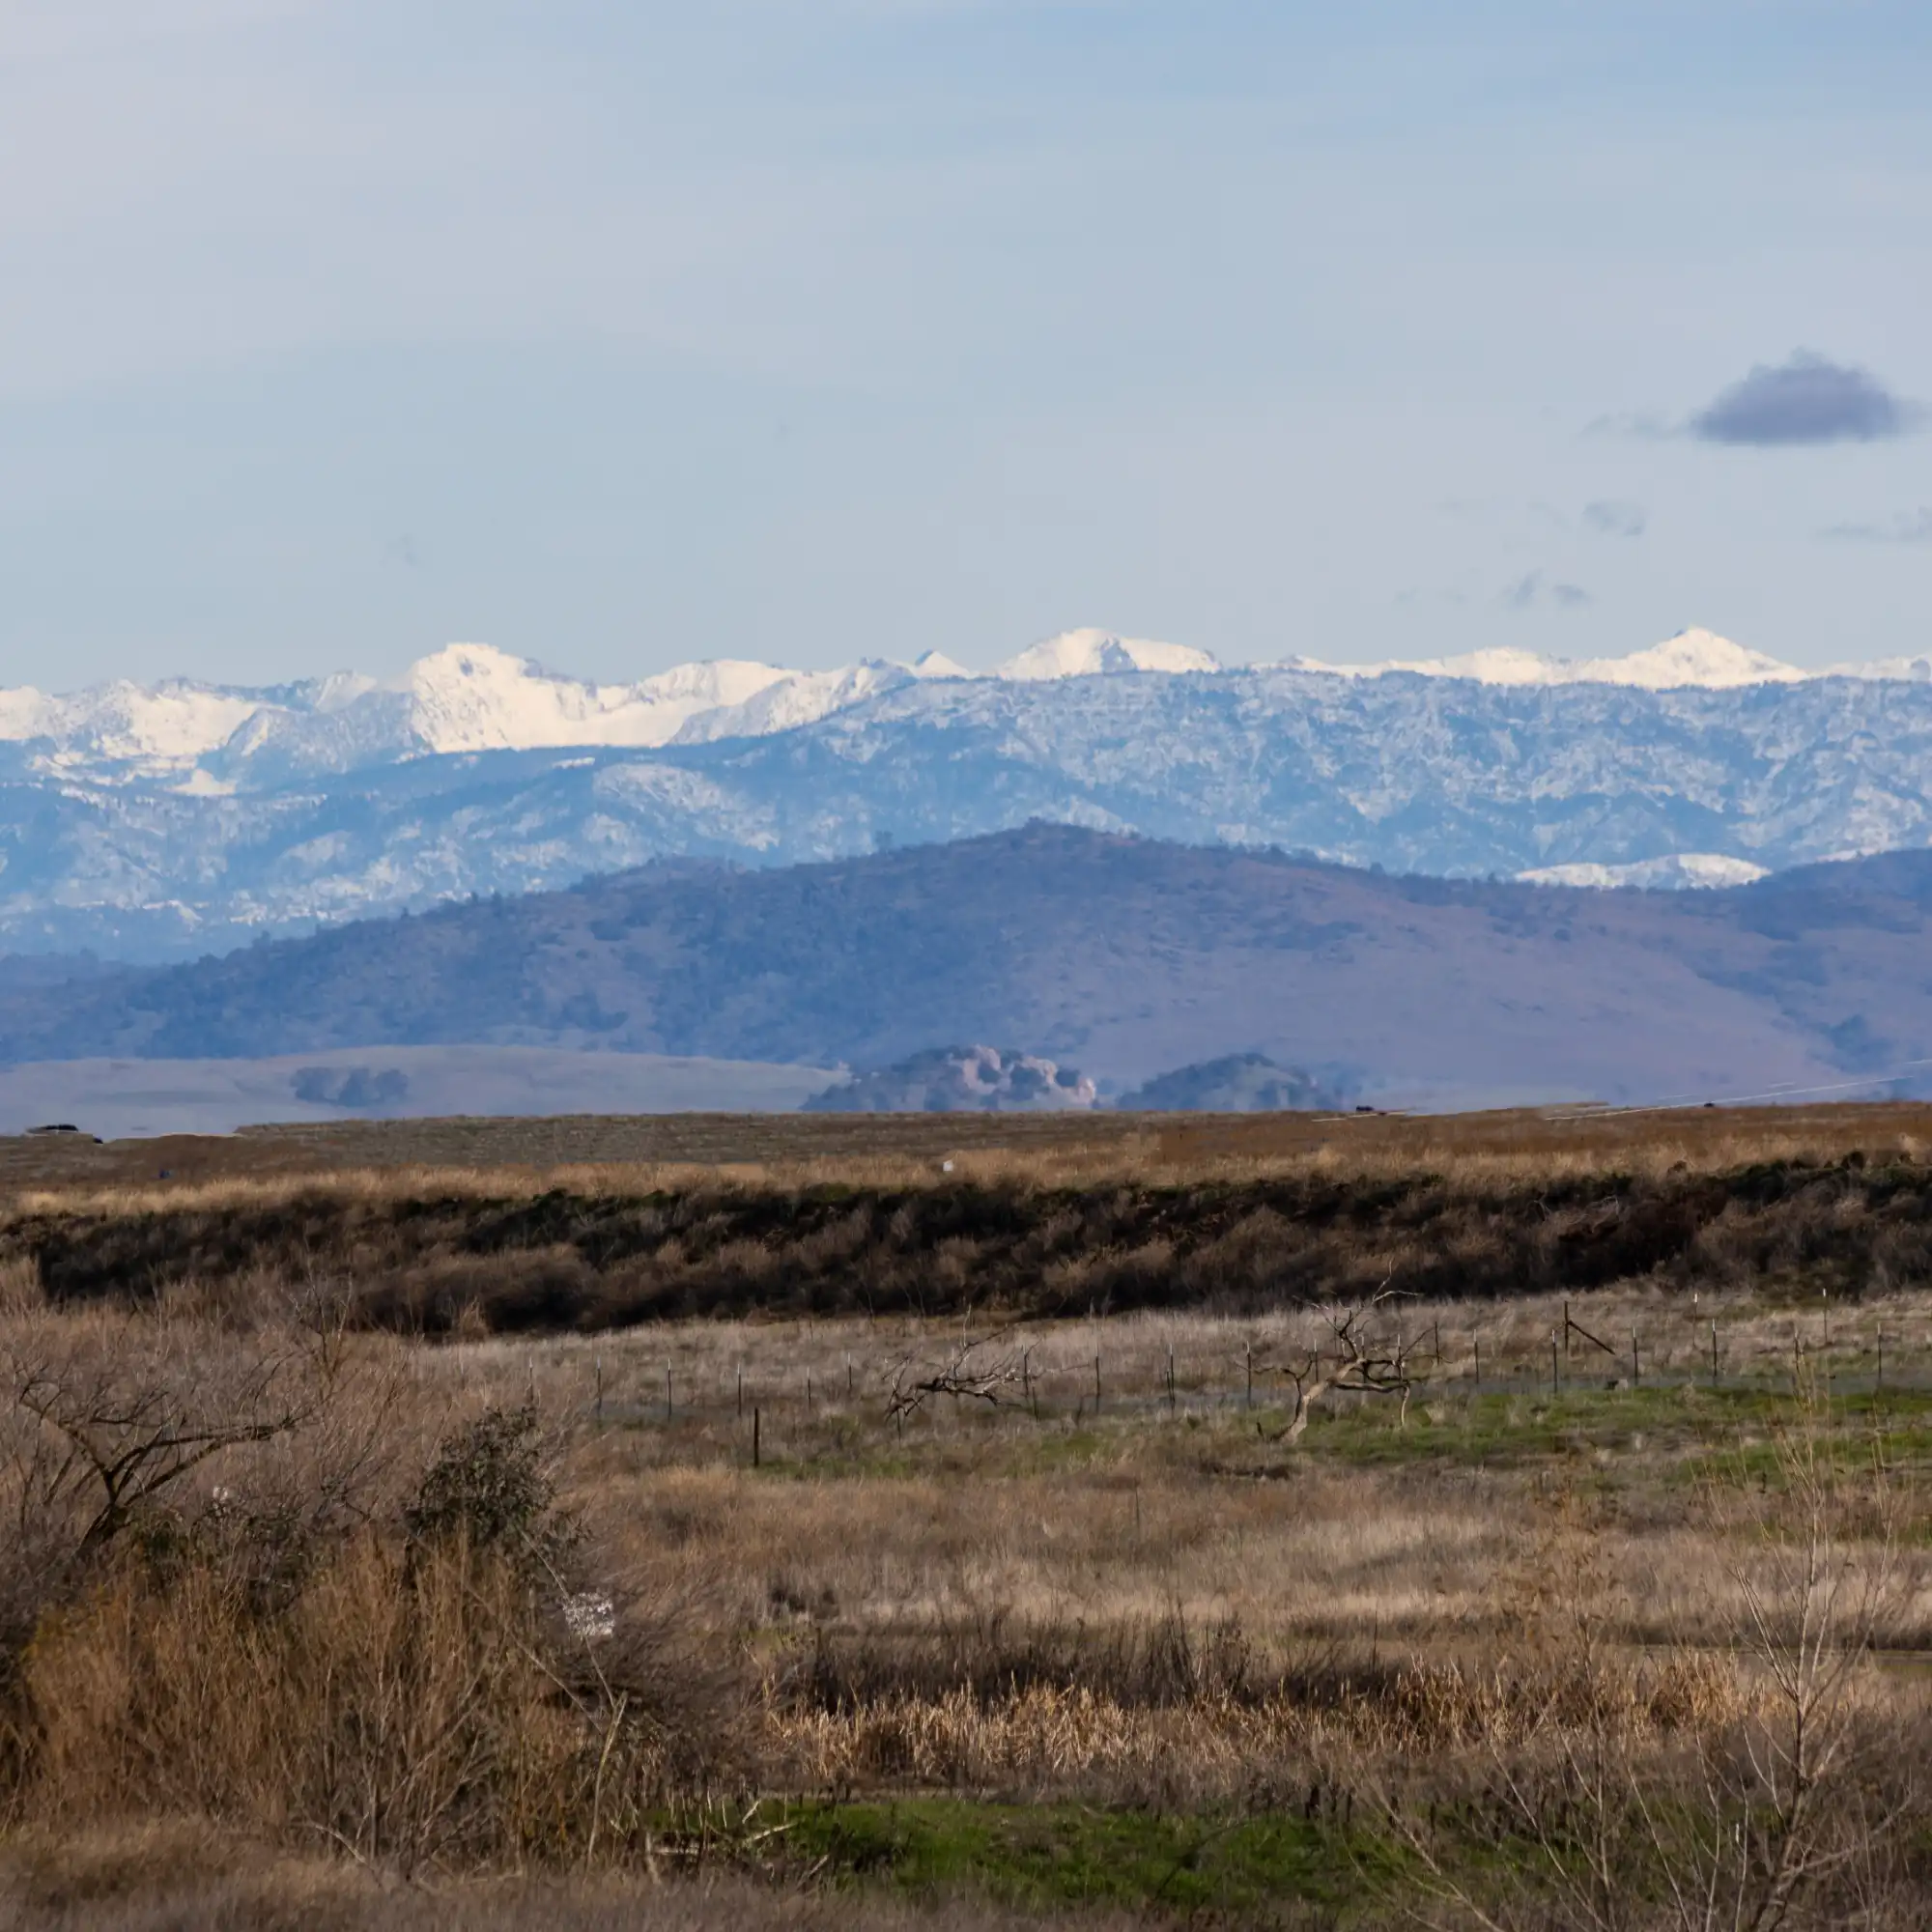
{"x":472,"y":697}
{"x":147,"y":818}
{"x":214,"y":739}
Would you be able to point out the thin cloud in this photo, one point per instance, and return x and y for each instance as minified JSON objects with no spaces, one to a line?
{"x":1909,"y":526}
{"x":1610,"y":518}
{"x":1639,"y":423}
{"x":1809,"y":399}
{"x":1531,"y":592}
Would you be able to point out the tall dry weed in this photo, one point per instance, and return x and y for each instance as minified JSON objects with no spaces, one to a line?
{"x":1786,"y":1806}
{"x":399,"y":1712}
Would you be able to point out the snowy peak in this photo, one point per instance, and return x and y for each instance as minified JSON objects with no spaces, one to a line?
{"x":936,"y":663}
{"x":1094,"y":653}
{"x":1692,"y":660}
{"x":472,"y":697}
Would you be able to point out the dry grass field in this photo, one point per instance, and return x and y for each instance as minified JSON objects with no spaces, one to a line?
{"x":1513,"y":1522}
{"x":1078,"y":1147}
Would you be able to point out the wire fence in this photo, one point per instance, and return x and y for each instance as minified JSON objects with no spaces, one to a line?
{"x":1036,"y":1377}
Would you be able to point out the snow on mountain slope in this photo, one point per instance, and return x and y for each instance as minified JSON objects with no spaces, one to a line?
{"x":152,"y":727}
{"x":1902,"y":671}
{"x":472,"y":697}
{"x":1704,"y":871}
{"x":797,"y":697}
{"x":1090,"y":653}
{"x":1694,"y":659}
{"x":936,"y":663}
{"x":1577,"y":783}
{"x":469,"y":698}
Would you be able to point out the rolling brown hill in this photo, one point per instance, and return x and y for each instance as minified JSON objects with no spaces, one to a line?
{"x":1119,"y":955}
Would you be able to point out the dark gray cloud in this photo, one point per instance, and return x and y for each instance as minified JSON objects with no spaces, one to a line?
{"x":1610,"y":518}
{"x":1529,"y":593}
{"x":1909,"y":526}
{"x":1805,"y":400}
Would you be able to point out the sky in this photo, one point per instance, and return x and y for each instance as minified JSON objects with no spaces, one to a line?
{"x":623,"y":334}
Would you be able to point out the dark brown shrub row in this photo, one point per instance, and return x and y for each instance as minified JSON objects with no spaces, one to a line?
{"x":565,"y":1261}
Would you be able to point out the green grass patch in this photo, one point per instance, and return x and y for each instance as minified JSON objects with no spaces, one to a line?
{"x":1508,"y":1429}
{"x":1677,"y":1432}
{"x":1055,"y":1856}
{"x":1725,"y":1433}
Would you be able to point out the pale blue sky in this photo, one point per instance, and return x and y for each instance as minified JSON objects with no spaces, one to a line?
{"x":808,"y":329}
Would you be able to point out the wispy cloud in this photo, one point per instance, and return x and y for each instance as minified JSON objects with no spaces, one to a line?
{"x":1535,"y":591}
{"x":1641,"y":424}
{"x":1807,"y":399}
{"x":1610,"y":518}
{"x":1908,"y":527}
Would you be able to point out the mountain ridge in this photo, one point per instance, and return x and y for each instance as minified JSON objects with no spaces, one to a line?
{"x":469,"y":698}
{"x":346,"y":809}
{"x":1125,"y":957}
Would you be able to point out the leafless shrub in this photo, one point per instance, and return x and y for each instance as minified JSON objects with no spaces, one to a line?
{"x":1776,"y":1808}
{"x":1019,"y":1238}
{"x":109,"y":1418}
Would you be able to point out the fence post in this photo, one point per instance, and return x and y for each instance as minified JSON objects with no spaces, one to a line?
{"x":808,"y":1392}
{"x":1097,"y":1385}
{"x":756,"y":1420}
{"x":1566,"y":1329}
{"x":1476,"y":1341}
{"x":668,"y":1406}
{"x":1636,"y":1364}
{"x":1248,"y":1367}
{"x":1714,"y":1354}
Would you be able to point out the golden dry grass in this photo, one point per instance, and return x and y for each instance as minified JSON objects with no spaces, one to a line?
{"x":388,"y":1161}
{"x":1154,"y":1602}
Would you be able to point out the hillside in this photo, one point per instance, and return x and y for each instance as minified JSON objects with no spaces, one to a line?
{"x":1122,"y":956}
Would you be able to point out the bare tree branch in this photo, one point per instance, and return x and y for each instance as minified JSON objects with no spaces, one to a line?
{"x":969,"y":1375}
{"x":1363,"y":1363}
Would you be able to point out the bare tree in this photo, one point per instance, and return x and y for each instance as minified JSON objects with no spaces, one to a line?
{"x":1363,"y":1362}
{"x":970,"y":1374}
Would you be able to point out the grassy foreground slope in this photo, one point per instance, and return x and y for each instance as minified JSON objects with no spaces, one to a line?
{"x":1591,"y":1598}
